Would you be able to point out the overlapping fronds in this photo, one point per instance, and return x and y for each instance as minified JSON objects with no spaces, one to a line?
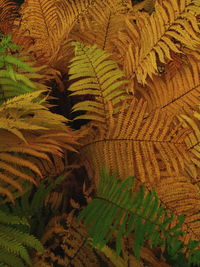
{"x":39,"y":17}
{"x":172,"y":191}
{"x":73,"y":240}
{"x":49,"y":23}
{"x":98,"y":77}
{"x":177,"y":95}
{"x":29,"y":128}
{"x":15,"y":241}
{"x":32,"y":202}
{"x":116,"y":210}
{"x":172,"y":26}
{"x":8,"y":13}
{"x":146,"y":148}
{"x":104,"y":23}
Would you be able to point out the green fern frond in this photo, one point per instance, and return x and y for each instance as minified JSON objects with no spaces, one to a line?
{"x":5,"y":58}
{"x":12,"y":83}
{"x":116,"y":209}
{"x":9,"y":259}
{"x":98,"y":77}
{"x":29,"y":204}
{"x":14,"y":241}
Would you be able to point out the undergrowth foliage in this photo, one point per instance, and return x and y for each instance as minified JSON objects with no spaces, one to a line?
{"x":117,"y":209}
{"x":133,"y":72}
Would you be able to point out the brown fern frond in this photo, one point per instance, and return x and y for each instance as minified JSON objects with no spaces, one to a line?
{"x":49,"y":23}
{"x":16,"y":157}
{"x":137,"y":146}
{"x":193,"y":139}
{"x":177,"y":95}
{"x":174,"y":65}
{"x":72,"y":238}
{"x":182,"y":197}
{"x":171,"y":27}
{"x":105,"y":22}
{"x":8,"y":13}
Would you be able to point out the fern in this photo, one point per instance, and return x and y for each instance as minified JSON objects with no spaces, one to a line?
{"x":14,"y":241}
{"x":117,"y":209}
{"x":28,"y":214}
{"x":32,"y":205}
{"x":12,"y":82}
{"x":98,"y":77}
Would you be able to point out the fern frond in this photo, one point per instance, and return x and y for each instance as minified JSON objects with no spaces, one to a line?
{"x":73,"y":237}
{"x":132,"y":143}
{"x":173,"y":20}
{"x":49,"y":23}
{"x":14,"y":241}
{"x":10,"y":259}
{"x":100,"y":78}
{"x":30,"y":204}
{"x":116,"y":209}
{"x":29,"y":128}
{"x":8,"y":13}
{"x":172,"y":191}
{"x":193,"y":139}
{"x":177,"y":95}
{"x":105,"y":21}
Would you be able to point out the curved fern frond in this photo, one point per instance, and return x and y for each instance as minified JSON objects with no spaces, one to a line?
{"x":27,"y":127}
{"x":98,"y":77}
{"x":8,"y":13}
{"x":171,"y":26}
{"x":116,"y":210}
{"x":49,"y":23}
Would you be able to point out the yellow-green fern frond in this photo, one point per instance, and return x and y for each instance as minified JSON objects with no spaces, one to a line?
{"x":99,"y":78}
{"x":147,"y":148}
{"x":28,"y":129}
{"x":173,"y":25}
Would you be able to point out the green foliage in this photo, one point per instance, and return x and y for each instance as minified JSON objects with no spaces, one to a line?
{"x":12,"y":82}
{"x":14,"y":240}
{"x":116,"y":209}
{"x":18,"y":222}
{"x":31,"y":205}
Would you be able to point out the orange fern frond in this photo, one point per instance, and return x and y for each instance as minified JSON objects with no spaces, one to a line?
{"x":181,"y":197}
{"x":8,"y":13}
{"x":178,"y":95}
{"x":137,"y":146}
{"x":172,"y":26}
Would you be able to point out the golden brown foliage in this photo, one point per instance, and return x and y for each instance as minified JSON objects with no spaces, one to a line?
{"x":156,"y":134}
